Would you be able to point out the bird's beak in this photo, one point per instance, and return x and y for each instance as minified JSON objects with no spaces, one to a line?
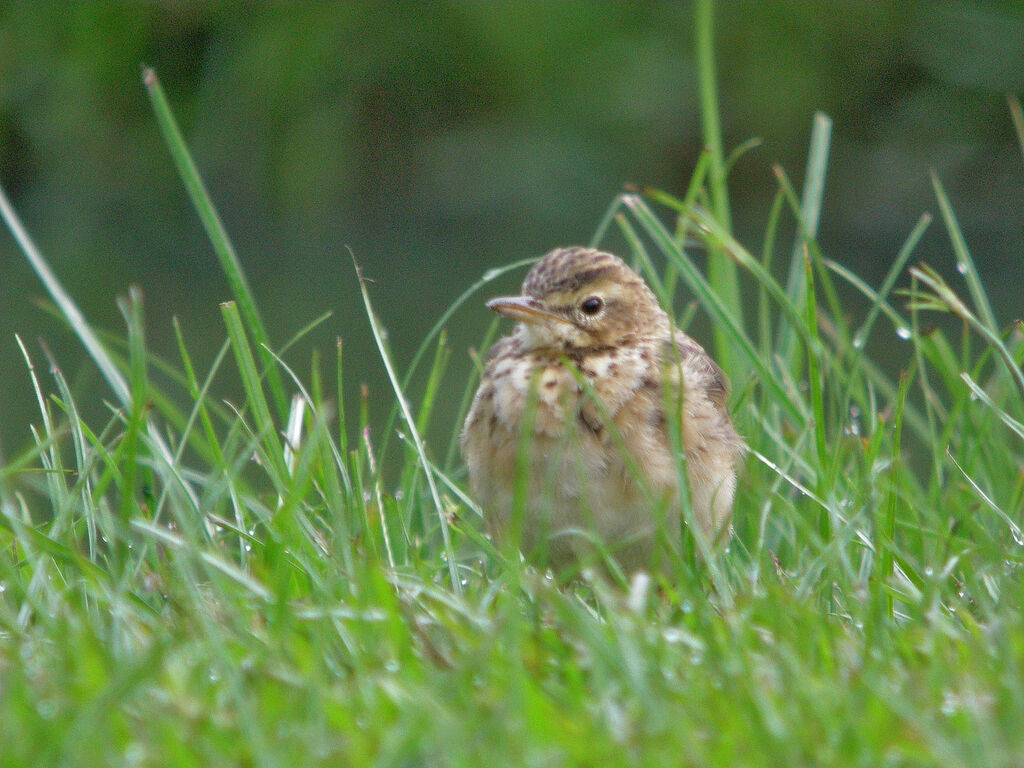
{"x":524,"y":308}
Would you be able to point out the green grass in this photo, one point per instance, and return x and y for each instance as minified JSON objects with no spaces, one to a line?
{"x":196,"y":582}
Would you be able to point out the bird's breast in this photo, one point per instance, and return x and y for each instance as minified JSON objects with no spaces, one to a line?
{"x":571,"y":393}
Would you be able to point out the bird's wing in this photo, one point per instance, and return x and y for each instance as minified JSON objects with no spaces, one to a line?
{"x":690,"y":366}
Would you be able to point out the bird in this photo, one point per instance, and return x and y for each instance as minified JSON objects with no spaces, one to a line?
{"x":573,"y":438}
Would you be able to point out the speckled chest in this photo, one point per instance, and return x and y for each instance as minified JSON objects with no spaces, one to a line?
{"x":578,"y":391}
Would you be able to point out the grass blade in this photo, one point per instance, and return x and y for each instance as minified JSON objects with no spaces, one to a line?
{"x":413,"y":432}
{"x":722,"y":273}
{"x":964,"y":261}
{"x":810,"y":211}
{"x":816,"y":383}
{"x":1017,"y":116}
{"x":707,"y":296}
{"x":203,"y":204}
{"x":66,"y":304}
{"x":263,"y":421}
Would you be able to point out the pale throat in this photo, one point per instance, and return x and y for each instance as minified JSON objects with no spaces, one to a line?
{"x":537,"y":336}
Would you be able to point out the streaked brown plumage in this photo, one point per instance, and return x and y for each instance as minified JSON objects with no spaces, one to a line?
{"x":599,"y":463}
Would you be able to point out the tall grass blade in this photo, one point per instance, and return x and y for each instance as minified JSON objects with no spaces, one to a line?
{"x":816,"y":384}
{"x":722,"y":273}
{"x":66,"y":304}
{"x":217,"y":233}
{"x":410,"y":423}
{"x":810,"y":212}
{"x":964,"y":261}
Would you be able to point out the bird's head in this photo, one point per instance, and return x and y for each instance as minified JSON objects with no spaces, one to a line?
{"x":579,"y":298}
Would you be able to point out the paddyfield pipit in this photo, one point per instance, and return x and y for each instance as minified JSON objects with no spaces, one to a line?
{"x":570,"y":438}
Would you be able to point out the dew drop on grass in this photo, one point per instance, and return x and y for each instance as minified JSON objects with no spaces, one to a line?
{"x":858,"y":340}
{"x":949,"y":703}
{"x":135,"y":754}
{"x":903,"y":333}
{"x":852,"y":427}
{"x":490,"y":274}
{"x":961,"y":267}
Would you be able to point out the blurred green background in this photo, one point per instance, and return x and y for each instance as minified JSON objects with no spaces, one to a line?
{"x":439,"y":140}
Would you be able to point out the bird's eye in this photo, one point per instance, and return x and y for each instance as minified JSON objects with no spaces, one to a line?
{"x":592,"y":305}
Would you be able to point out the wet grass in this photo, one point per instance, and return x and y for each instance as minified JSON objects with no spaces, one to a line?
{"x":200,"y":582}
